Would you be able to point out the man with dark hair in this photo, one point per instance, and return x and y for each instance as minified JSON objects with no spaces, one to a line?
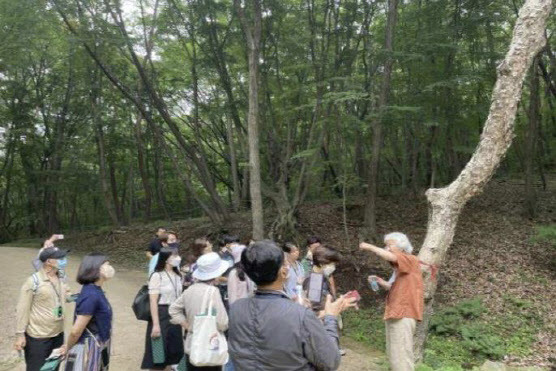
{"x":271,"y":332}
{"x":168,"y":239}
{"x":226,"y":244}
{"x":156,"y":243}
{"x":49,"y":242}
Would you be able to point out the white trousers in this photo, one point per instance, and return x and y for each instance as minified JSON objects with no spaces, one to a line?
{"x":399,"y":343}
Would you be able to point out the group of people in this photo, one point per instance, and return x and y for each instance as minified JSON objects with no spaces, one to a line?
{"x":271,"y":309}
{"x":41,"y":309}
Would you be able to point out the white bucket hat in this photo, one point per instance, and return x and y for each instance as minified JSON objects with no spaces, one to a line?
{"x":210,"y":266}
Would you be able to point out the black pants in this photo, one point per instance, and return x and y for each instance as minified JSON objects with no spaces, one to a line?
{"x":171,"y":337}
{"x":37,"y":350}
{"x":190,"y":367}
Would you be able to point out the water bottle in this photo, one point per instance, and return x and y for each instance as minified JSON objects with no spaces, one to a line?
{"x":374,"y":284}
{"x":299,"y":293}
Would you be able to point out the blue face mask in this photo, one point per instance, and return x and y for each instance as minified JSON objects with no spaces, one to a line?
{"x":62,"y":263}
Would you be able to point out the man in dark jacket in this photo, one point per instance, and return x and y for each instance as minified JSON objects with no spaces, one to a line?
{"x":270,"y":331}
{"x":156,"y":243}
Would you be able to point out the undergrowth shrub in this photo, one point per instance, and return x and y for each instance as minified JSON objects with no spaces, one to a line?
{"x":466,"y":334}
{"x":450,"y":320}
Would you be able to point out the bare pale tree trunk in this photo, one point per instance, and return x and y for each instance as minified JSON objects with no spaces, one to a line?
{"x":253,"y":36}
{"x":447,"y":203}
{"x":370,"y":198}
{"x":531,"y":140}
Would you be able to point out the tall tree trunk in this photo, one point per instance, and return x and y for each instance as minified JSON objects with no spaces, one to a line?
{"x":531,"y":140}
{"x":372,"y":183}
{"x":114,"y":189}
{"x":108,"y":201}
{"x":447,"y":203}
{"x":158,"y":171}
{"x":6,"y":171}
{"x":101,"y":151}
{"x":253,"y":36}
{"x":141,"y":164}
{"x":54,"y":165}
{"x":131,"y":193}
{"x":236,"y":195}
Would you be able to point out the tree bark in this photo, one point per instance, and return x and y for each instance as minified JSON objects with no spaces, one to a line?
{"x":531,"y":140}
{"x":253,"y":36}
{"x":108,"y":201}
{"x":99,"y":136}
{"x":370,"y":198}
{"x":141,"y":163}
{"x":114,"y":188}
{"x":446,"y":204}
{"x":6,"y":170}
{"x":236,"y":195}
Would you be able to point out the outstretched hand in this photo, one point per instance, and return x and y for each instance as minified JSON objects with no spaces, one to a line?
{"x":366,"y":246}
{"x":337,"y":307}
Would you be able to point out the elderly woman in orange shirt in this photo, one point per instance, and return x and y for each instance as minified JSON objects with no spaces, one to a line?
{"x":405,"y":301}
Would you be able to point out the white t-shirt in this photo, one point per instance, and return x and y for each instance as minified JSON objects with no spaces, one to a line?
{"x":167,"y":285}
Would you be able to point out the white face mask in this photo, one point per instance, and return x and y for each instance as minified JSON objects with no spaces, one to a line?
{"x":176,"y":262}
{"x":107,"y":271}
{"x":329,"y":269}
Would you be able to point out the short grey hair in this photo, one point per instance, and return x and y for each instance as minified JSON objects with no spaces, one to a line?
{"x":401,"y":241}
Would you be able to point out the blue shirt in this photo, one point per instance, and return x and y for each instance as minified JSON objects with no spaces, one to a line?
{"x":295,"y":277}
{"x":152,"y":264}
{"x":92,"y":302}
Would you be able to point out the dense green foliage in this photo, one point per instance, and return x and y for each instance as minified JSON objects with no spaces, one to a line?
{"x":114,"y":114}
{"x":464,"y":335}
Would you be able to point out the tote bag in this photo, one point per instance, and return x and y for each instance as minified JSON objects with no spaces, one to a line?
{"x":208,"y":345}
{"x":141,"y":304}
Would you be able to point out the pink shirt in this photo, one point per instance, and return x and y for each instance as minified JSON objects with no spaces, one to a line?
{"x":238,"y":289}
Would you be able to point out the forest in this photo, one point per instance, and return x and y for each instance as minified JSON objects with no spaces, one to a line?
{"x":281,"y":119}
{"x":121,"y":111}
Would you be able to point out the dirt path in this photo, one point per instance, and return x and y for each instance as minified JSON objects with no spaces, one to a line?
{"x":128,"y":333}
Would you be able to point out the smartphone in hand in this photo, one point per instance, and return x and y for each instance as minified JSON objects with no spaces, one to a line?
{"x":59,"y":236}
{"x":314,"y":292}
{"x":353,"y":294}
